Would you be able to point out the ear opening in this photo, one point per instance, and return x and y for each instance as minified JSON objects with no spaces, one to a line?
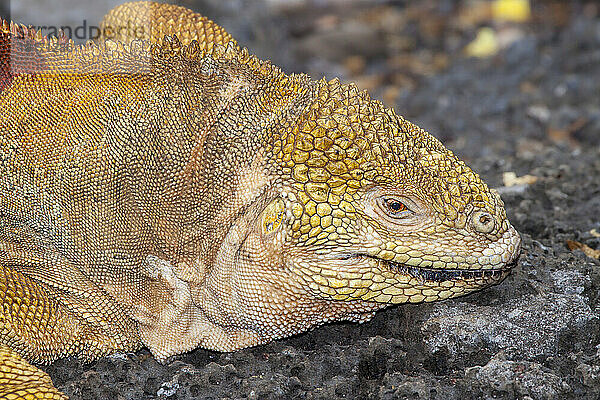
{"x":272,"y":216}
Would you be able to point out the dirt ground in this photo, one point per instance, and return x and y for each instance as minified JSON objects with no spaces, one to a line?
{"x":530,"y":109}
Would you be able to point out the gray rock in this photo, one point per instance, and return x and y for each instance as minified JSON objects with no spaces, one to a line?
{"x":511,"y":379}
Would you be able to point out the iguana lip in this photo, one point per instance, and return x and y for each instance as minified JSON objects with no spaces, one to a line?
{"x":451,"y":274}
{"x":441,"y":275}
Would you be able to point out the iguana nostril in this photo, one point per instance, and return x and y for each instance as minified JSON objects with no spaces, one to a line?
{"x":482,"y":221}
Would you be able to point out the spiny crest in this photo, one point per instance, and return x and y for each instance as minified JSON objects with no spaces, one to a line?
{"x":25,"y":50}
{"x":171,"y":48}
{"x":59,"y":54}
{"x":17,"y":33}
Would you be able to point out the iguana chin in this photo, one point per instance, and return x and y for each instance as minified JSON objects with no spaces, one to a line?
{"x":176,"y":192}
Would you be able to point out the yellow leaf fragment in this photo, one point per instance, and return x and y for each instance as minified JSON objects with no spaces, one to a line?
{"x":511,"y":10}
{"x":484,"y":45}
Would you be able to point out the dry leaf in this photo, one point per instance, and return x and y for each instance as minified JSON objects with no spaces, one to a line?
{"x":511,"y":179}
{"x":587,"y":250}
{"x":484,"y":45}
{"x":566,"y":135}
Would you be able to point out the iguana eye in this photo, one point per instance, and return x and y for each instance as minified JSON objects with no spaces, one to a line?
{"x":394,"y":207}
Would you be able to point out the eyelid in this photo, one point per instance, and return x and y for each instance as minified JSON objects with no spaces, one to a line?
{"x":418,"y":216}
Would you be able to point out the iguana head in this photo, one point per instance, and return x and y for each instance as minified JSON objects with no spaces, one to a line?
{"x":374,"y":208}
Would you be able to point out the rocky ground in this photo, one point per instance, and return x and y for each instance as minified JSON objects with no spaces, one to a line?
{"x":529,"y":107}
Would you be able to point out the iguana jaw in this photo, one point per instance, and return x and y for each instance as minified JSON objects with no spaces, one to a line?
{"x":358,"y":274}
{"x":440,"y":272}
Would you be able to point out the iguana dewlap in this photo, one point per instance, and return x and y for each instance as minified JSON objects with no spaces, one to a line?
{"x":176,"y":192}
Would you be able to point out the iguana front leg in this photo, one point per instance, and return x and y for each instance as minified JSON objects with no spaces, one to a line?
{"x":20,"y":380}
{"x":27,"y":320}
{"x":34,"y":325}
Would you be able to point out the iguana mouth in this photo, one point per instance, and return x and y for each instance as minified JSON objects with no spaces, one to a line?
{"x":442,"y":274}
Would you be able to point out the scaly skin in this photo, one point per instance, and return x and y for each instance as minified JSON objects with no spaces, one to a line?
{"x":187,"y":194}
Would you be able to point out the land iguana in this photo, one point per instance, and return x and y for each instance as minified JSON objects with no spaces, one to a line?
{"x":176,"y":192}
